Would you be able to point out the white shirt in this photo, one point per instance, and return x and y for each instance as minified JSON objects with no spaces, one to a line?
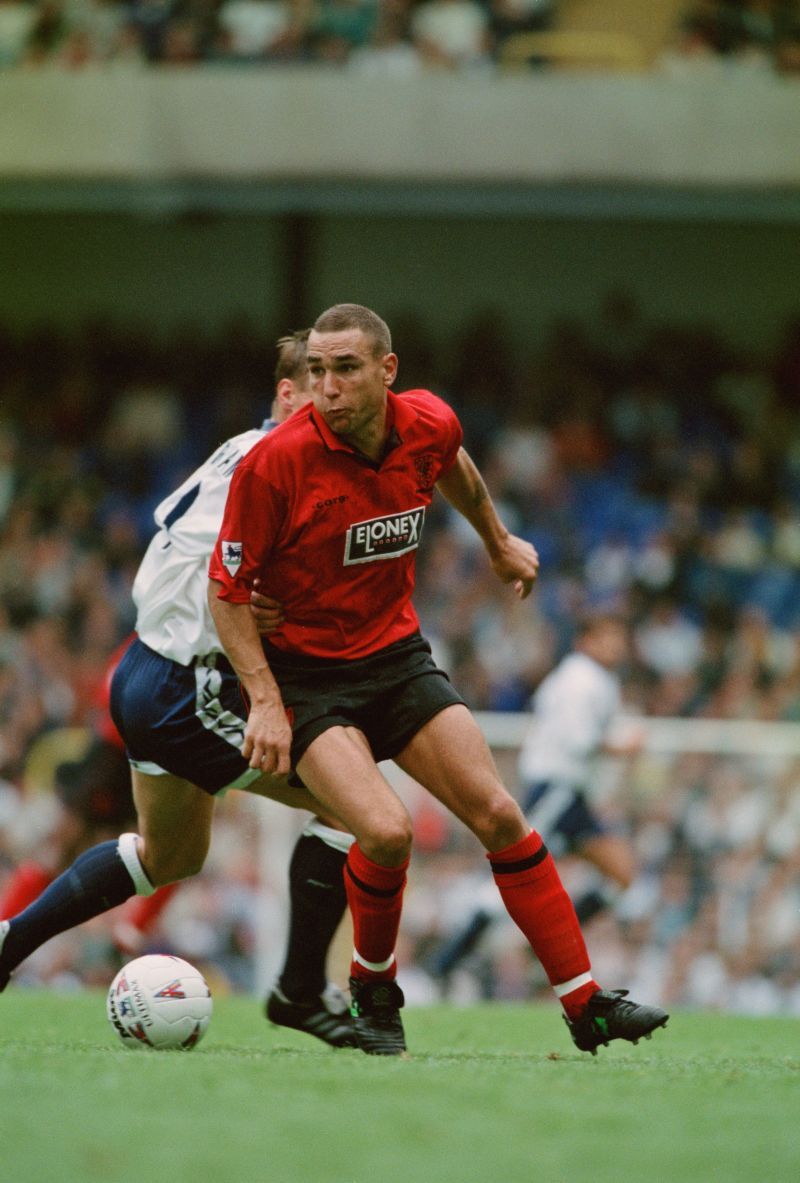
{"x":572,"y":710}
{"x":456,"y":27}
{"x":171,"y":584}
{"x":253,"y":25}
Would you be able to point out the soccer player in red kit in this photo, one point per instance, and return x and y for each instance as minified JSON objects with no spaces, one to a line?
{"x":327,"y":512}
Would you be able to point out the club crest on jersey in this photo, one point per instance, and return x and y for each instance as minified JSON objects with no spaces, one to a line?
{"x":424,"y":466}
{"x":231,"y":557}
{"x":384,"y":537}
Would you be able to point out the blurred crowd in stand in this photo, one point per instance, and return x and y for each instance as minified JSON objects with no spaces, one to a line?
{"x":757,"y":34}
{"x":385,"y":38}
{"x":656,"y":467}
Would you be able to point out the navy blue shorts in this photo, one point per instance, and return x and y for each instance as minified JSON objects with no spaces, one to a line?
{"x":389,"y":696}
{"x":559,"y":811}
{"x":184,"y":720}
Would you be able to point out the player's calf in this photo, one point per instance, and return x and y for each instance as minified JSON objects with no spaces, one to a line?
{"x":100,"y":878}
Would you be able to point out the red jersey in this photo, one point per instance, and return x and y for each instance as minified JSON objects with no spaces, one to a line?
{"x":331,"y":534}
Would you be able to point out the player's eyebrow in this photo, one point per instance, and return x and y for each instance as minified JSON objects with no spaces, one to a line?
{"x":336,"y":357}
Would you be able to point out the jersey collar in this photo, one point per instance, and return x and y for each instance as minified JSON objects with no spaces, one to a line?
{"x":400,"y":415}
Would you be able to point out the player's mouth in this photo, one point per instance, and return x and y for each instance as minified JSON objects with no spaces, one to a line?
{"x":337,"y":415}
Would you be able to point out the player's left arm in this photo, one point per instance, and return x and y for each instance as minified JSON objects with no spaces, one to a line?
{"x":267,"y":612}
{"x":513,"y":559}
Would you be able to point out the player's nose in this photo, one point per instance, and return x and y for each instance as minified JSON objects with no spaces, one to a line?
{"x":330,"y":387}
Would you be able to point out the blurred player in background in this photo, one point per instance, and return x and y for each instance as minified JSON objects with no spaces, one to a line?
{"x":572,"y":712}
{"x":328,"y":512}
{"x":178,"y":705}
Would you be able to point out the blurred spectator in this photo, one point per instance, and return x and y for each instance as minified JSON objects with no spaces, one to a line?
{"x":17,"y":20}
{"x":9,"y":468}
{"x":667,"y":641}
{"x":151,"y":19}
{"x":48,"y":33}
{"x":338,"y":27}
{"x":785,"y":548}
{"x":737,"y":546}
{"x":389,"y":52}
{"x":452,"y":34}
{"x":253,"y":29}
{"x":756,"y":34}
{"x":763,"y":35}
{"x":507,"y":17}
{"x":180,"y":45}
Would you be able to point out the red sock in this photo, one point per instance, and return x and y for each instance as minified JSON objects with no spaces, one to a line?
{"x":375,"y":897}
{"x":142,"y":911}
{"x":138,"y":916}
{"x":537,"y":902}
{"x":25,"y":884}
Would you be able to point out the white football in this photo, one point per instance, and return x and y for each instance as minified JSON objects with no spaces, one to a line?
{"x":159,"y":1001}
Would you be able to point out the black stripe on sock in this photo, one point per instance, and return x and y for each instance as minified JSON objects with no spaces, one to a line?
{"x":523,"y":864}
{"x":384,"y":893}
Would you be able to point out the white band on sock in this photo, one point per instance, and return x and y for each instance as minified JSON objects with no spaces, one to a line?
{"x":336,"y":839}
{"x":130,"y":857}
{"x":377,"y":967}
{"x":573,"y":984}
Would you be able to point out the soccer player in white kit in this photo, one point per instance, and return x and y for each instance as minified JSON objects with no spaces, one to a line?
{"x":572,"y":711}
{"x":178,"y":705}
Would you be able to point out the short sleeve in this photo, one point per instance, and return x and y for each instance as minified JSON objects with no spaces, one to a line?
{"x":452,"y":433}
{"x":254,"y":512}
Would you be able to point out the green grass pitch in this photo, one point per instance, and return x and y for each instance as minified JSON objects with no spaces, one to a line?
{"x":492,"y":1092}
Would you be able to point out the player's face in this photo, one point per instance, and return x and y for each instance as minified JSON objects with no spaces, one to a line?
{"x":349,"y":383}
{"x":610,"y":644}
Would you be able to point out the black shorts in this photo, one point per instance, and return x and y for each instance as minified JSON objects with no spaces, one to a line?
{"x":389,"y":696}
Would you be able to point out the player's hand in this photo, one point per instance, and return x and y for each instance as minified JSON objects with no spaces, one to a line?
{"x":268,"y":738}
{"x":268,"y":613}
{"x":517,"y":562}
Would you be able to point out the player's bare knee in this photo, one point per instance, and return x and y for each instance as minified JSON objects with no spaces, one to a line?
{"x":500,"y":822}
{"x":390,"y":843}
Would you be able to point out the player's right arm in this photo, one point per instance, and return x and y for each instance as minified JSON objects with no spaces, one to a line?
{"x":267,"y":736}
{"x":254,"y":512}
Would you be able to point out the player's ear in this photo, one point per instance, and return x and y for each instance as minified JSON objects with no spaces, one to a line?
{"x":389,"y":368}
{"x":286,"y":394}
